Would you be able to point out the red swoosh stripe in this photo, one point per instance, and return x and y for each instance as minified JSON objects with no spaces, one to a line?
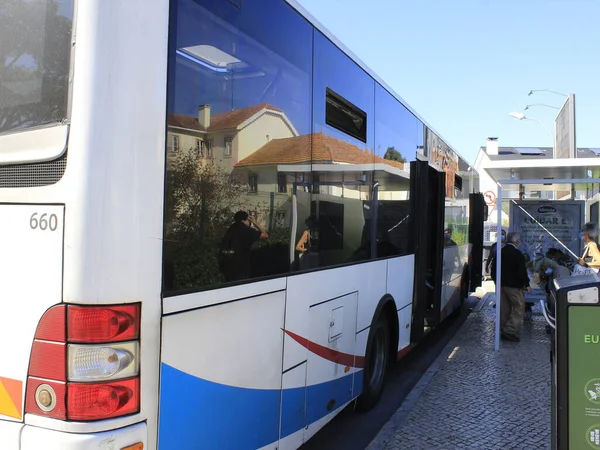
{"x":329,"y":354}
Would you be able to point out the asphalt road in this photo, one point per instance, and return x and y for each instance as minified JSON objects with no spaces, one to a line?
{"x":355,"y":431}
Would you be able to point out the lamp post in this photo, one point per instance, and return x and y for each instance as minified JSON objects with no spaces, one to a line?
{"x":546,"y":90}
{"x":565,"y":120}
{"x":521,"y":116}
{"x":541,"y":104}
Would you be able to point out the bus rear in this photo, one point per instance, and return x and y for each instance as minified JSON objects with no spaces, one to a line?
{"x":80,"y":259}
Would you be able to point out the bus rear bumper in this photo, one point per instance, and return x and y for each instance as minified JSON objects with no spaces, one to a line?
{"x":10,"y":432}
{"x":34,"y":438}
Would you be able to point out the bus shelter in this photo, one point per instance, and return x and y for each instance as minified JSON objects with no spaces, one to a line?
{"x":559,"y":175}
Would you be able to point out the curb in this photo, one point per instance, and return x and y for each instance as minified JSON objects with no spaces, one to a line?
{"x":387,"y":432}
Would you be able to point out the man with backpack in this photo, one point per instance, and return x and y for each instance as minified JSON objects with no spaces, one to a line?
{"x":234,"y":257}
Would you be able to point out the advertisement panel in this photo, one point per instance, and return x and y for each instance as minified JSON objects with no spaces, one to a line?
{"x":547,"y":224}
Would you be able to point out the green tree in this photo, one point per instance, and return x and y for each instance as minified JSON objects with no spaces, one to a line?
{"x":201,"y":200}
{"x":394,"y":155}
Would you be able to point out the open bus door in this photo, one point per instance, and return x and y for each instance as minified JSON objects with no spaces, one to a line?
{"x":477,"y":215}
{"x":427,"y":192}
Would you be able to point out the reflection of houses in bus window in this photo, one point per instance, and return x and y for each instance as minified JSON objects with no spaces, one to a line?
{"x":339,"y":176}
{"x":235,"y":134}
{"x":317,"y":152}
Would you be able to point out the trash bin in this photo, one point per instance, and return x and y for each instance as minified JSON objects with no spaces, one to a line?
{"x":575,"y":357}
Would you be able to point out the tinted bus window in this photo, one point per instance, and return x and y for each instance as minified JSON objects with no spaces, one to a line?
{"x":35,"y":50}
{"x":396,"y":144}
{"x":342,"y":157}
{"x":240,"y":83}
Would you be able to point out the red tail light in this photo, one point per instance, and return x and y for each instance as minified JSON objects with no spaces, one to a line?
{"x":52,"y":326}
{"x":106,"y":366}
{"x":93,"y":401}
{"x":57,"y":410}
{"x":117,"y":323}
{"x":48,"y":360}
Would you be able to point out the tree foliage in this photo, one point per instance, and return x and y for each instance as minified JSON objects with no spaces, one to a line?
{"x":394,"y":155}
{"x":201,"y":202}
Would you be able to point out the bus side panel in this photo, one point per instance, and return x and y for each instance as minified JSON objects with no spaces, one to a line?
{"x":451,"y":287}
{"x":221,"y":375}
{"x":328,"y":315}
{"x":400,"y":285}
{"x":400,"y":279}
{"x":404,"y":324}
{"x":371,"y":282}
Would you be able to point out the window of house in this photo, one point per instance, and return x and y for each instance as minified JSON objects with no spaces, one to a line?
{"x":253,"y":183}
{"x":281,"y":183}
{"x":175,"y":143}
{"x":209,"y":149}
{"x":200,"y":147}
{"x":228,"y":144}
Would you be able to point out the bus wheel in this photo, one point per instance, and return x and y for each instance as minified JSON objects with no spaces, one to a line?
{"x":377,"y":361}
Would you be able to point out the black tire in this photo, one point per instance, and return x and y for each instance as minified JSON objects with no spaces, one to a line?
{"x":377,"y":362}
{"x":464,"y":292}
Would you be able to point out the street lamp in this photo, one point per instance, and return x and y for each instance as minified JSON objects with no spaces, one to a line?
{"x":546,"y":90}
{"x":521,"y":116}
{"x":541,"y":104}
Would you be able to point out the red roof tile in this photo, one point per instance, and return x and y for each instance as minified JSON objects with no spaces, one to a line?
{"x":222,"y":121}
{"x":316,"y":147}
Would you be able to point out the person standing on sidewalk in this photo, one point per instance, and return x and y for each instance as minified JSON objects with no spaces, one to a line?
{"x":514,"y":281}
{"x":492,"y":254}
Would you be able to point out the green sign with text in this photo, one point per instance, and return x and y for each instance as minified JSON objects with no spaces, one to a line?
{"x":584,"y":377}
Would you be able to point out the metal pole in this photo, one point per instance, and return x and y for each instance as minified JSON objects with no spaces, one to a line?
{"x":498,"y":267}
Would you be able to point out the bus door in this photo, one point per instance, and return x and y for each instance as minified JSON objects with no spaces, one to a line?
{"x":477,"y":215}
{"x":427,"y":188}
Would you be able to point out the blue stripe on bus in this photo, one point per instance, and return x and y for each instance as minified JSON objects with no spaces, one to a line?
{"x":293,"y":415}
{"x":194,"y":411}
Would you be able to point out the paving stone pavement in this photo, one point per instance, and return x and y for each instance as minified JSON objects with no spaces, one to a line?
{"x":479,"y":398}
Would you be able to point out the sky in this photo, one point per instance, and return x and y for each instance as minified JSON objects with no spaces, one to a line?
{"x":464,"y":65}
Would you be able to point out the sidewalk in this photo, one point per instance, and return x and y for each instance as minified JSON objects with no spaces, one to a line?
{"x":473,"y":397}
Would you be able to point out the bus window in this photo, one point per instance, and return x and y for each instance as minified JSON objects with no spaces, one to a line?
{"x":245,"y":95}
{"x":35,"y":50}
{"x":342,"y":155}
{"x":395,"y":146}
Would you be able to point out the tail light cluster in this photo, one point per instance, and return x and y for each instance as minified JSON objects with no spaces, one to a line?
{"x":85,"y":363}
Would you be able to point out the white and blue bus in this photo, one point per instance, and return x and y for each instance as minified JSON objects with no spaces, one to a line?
{"x":218,"y":228}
